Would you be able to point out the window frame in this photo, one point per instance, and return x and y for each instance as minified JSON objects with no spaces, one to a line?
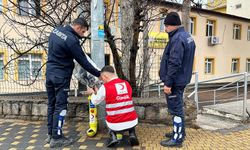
{"x":212,"y":23}
{"x":206,"y":66}
{"x":237,"y":26}
{"x":237,"y":65}
{"x":30,"y":60}
{"x":162,"y":25}
{"x":248,"y":33}
{"x":248,"y":63}
{"x":192,"y":27}
{"x":2,"y":59}
{"x":32,"y":8}
{"x":1,"y":6}
{"x":5,"y":55}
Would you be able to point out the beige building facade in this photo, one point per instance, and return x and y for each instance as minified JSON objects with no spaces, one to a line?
{"x":233,"y":7}
{"x":222,"y":40}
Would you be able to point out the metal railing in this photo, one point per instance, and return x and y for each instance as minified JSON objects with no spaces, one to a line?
{"x":217,"y":92}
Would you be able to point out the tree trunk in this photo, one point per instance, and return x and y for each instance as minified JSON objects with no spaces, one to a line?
{"x":127,"y":32}
{"x":144,"y":79}
{"x":186,"y":6}
{"x":130,"y":29}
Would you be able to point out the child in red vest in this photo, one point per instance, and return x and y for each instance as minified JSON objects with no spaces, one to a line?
{"x":121,"y":115}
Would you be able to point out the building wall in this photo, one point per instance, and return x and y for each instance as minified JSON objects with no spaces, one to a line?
{"x":10,"y":83}
{"x":233,"y":7}
{"x":239,"y":8}
{"x":223,"y":52}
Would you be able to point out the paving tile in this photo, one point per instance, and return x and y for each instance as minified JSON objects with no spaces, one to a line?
{"x":27,"y":135}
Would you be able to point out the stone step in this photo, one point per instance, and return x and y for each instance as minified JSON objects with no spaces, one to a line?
{"x":221,"y":114}
{"x":230,"y":110}
{"x":212,"y":122}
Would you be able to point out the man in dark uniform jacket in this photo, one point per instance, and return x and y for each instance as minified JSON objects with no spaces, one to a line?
{"x":176,"y":72}
{"x":64,"y":46}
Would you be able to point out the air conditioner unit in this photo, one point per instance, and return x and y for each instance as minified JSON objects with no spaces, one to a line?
{"x":213,"y":40}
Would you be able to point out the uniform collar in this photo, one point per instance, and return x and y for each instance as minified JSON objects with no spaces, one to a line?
{"x":172,"y":33}
{"x":70,"y":29}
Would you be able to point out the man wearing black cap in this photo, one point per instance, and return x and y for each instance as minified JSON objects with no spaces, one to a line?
{"x":176,"y":72}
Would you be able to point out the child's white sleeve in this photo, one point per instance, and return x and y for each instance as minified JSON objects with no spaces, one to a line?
{"x":99,"y":96}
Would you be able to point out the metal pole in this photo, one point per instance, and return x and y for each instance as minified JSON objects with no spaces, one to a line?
{"x":196,"y":99}
{"x":214,"y":96}
{"x":237,"y":90}
{"x":245,"y":96}
{"x":97,"y":46}
{"x":75,"y":92}
{"x":159,"y":90}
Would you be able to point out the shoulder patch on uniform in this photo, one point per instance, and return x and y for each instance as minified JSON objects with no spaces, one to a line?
{"x":190,"y":39}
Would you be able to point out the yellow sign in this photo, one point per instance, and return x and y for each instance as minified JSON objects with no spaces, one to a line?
{"x":157,"y":40}
{"x":100,"y":27}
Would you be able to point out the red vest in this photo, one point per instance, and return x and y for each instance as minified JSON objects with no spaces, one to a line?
{"x":119,"y":103}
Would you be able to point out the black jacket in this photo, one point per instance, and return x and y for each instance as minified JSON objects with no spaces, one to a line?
{"x":177,"y":60}
{"x":64,"y":46}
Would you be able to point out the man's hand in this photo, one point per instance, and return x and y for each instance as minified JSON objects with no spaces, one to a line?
{"x":167,"y":90}
{"x":95,"y":88}
{"x":100,"y":78}
{"x":88,"y":92}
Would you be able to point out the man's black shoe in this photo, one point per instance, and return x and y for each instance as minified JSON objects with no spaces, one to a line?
{"x":133,"y":140}
{"x":47,"y":140}
{"x":112,"y":142}
{"x":171,"y":143}
{"x":60,"y":142}
{"x":169,"y":135}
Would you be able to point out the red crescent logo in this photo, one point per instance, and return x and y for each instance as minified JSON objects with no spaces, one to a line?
{"x":122,"y":86}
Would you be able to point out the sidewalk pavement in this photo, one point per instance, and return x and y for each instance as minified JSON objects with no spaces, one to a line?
{"x":20,"y":135}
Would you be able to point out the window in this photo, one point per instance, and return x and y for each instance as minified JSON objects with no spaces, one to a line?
{"x":210,"y":28}
{"x":162,"y":26}
{"x":1,"y":6}
{"x":192,"y":25}
{"x":235,"y":65}
{"x":82,"y":11}
{"x":248,"y":33}
{"x":209,"y":66}
{"x":28,"y":66}
{"x":29,"y":7}
{"x":236,"y":31}
{"x":1,"y":66}
{"x":248,"y":65}
{"x":238,"y":6}
{"x":107,"y":59}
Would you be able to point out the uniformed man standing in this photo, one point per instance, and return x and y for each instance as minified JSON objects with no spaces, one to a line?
{"x":176,"y":72}
{"x":64,"y":46}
